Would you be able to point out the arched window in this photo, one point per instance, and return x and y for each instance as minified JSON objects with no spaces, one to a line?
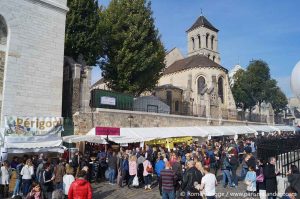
{"x":201,"y":84}
{"x":208,"y":56}
{"x":193,"y":43}
{"x":199,"y":41}
{"x":212,"y":42}
{"x":214,"y":57}
{"x":207,"y":35}
{"x":221,"y":88}
{"x":3,"y":51}
{"x":176,"y":106}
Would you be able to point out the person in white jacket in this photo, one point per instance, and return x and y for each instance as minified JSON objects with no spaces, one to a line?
{"x":4,"y":180}
{"x":68,"y":179}
{"x":27,"y":173}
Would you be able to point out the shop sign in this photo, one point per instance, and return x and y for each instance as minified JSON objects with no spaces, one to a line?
{"x":107,"y":131}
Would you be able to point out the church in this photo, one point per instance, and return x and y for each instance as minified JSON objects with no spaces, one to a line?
{"x":197,"y":84}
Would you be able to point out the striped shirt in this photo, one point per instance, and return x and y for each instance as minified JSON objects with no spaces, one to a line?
{"x":167,"y":179}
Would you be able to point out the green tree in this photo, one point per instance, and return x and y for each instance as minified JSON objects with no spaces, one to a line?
{"x":133,"y":52}
{"x":83,"y":33}
{"x":278,"y":101}
{"x":240,"y":91}
{"x":255,"y":86}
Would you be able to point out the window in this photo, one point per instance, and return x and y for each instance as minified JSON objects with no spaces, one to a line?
{"x":214,"y":58}
{"x":221,"y":89}
{"x":212,"y":42}
{"x":201,"y":84}
{"x":199,"y":41}
{"x":208,"y":56}
{"x":176,"y":106}
{"x":169,"y":99}
{"x":207,"y":35}
{"x":193,"y":43}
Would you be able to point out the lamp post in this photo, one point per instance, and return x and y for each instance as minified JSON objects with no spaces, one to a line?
{"x":130,"y":118}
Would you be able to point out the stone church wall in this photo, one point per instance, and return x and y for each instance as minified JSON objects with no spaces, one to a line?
{"x":34,"y":73}
{"x":83,"y":122}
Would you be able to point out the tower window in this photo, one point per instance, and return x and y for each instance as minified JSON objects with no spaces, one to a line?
{"x":214,"y":58}
{"x":193,"y":43}
{"x":221,"y":89}
{"x":199,"y":41}
{"x":212,"y":42}
{"x":207,"y":35}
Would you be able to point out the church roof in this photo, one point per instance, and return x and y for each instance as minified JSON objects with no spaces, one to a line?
{"x":97,"y":83}
{"x":195,"y":61}
{"x":202,"y":21}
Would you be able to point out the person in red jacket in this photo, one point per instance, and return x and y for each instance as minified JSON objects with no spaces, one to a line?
{"x":80,"y":188}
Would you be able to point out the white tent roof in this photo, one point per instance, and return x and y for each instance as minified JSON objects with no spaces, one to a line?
{"x":132,"y":135}
{"x":22,"y":144}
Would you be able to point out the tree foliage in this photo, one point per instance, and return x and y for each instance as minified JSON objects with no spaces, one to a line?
{"x":133,"y":53}
{"x":255,"y":86}
{"x":83,"y":33}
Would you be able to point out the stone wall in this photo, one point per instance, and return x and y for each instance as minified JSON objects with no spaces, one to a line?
{"x":34,"y":73}
{"x":83,"y":122}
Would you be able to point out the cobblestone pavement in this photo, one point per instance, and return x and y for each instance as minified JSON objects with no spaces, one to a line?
{"x":107,"y":191}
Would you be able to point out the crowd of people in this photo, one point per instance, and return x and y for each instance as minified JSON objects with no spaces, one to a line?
{"x":186,"y":171}
{"x":42,"y":178}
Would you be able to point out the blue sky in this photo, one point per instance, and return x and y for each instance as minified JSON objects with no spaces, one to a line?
{"x":249,"y":29}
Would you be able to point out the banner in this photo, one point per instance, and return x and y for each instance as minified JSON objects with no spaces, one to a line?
{"x":107,"y":131}
{"x":32,"y":126}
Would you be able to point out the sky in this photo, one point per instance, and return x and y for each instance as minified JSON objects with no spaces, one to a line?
{"x":248,"y":29}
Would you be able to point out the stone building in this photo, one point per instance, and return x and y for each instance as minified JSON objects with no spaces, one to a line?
{"x":32,"y":36}
{"x":203,"y":81}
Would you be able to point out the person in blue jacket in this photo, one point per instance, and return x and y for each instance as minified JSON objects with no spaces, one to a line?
{"x":159,"y":166}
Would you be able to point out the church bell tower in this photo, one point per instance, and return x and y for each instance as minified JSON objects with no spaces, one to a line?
{"x":203,"y":39}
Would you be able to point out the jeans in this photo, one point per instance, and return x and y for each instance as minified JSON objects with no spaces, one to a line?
{"x":26,"y":186}
{"x":59,"y":185}
{"x":112,"y":175}
{"x":168,"y":194}
{"x":147,"y":179}
{"x":244,"y":173}
{"x":234,"y":177}
{"x":17,"y":187}
{"x":226,"y":175}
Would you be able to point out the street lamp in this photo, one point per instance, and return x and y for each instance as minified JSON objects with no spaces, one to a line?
{"x":130,"y":118}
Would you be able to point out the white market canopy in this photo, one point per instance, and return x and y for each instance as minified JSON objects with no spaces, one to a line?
{"x":133,"y":135}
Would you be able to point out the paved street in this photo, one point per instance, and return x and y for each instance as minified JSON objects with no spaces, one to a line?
{"x":107,"y":191}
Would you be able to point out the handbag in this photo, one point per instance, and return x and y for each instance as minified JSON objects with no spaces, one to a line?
{"x":260,"y":177}
{"x":135,"y":181}
{"x":247,"y":182}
